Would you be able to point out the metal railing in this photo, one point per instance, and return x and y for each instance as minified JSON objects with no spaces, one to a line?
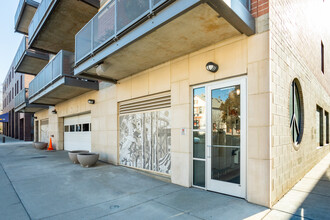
{"x":60,"y":65}
{"x":21,"y":97}
{"x":38,"y":16}
{"x":21,"y":50}
{"x":18,"y":11}
{"x":112,"y":20}
{"x":246,"y":3}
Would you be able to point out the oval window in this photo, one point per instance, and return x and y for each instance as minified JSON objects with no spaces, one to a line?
{"x":296,"y":112}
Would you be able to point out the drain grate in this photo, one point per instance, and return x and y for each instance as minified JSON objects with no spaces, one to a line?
{"x":38,"y":157}
{"x":114,"y":207}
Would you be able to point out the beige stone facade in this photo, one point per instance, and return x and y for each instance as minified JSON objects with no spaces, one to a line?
{"x":270,"y":60}
{"x":296,"y":31}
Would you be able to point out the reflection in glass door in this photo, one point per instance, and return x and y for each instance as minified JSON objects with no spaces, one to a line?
{"x":225,"y":136}
{"x":219,"y":136}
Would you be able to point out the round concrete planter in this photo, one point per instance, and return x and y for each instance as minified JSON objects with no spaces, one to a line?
{"x":73,"y":155}
{"x":87,"y":159}
{"x":40,"y":145}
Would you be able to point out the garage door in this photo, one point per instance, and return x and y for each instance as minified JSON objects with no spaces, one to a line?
{"x":44,"y":131}
{"x":77,"y":133}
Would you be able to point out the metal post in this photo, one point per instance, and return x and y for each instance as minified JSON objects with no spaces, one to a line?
{"x":3,"y":139}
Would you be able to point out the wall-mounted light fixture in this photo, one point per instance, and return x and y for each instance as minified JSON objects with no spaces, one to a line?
{"x":212,"y":67}
{"x":54,"y":111}
{"x":91,"y":101}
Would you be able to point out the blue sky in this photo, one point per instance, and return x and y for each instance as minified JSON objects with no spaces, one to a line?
{"x":9,"y":41}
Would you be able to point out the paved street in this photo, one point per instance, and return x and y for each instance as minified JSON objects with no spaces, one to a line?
{"x":46,"y":185}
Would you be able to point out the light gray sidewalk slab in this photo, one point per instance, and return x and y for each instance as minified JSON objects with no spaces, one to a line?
{"x":150,"y":211}
{"x":10,"y":205}
{"x":206,"y":205}
{"x":309,"y":198}
{"x":118,"y":205}
{"x":49,"y":186}
{"x":78,"y":189}
{"x":278,"y":215}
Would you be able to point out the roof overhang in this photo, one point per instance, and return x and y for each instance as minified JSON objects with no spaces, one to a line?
{"x":24,"y":14}
{"x":182,"y":27}
{"x":60,"y":22}
{"x":63,"y":89}
{"x":30,"y":108}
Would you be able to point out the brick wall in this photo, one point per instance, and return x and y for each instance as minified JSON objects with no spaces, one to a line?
{"x":259,"y":7}
{"x":296,"y":30}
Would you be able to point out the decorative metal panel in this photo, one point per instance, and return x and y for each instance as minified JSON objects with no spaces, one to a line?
{"x":145,"y":140}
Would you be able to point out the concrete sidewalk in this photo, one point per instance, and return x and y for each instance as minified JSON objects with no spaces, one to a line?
{"x":309,"y":198}
{"x":46,"y":185}
{"x":9,"y":140}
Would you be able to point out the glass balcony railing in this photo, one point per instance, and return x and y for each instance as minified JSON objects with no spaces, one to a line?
{"x":38,"y":16}
{"x":21,"y":97}
{"x":61,"y":65}
{"x":19,"y":10}
{"x":246,"y":4}
{"x":20,"y":52}
{"x":114,"y":18}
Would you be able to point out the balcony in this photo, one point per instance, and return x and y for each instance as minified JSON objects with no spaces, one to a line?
{"x":22,"y":103}
{"x":127,"y":37}
{"x":56,"y":83}
{"x":24,"y":14}
{"x":56,"y":22}
{"x":29,"y":61}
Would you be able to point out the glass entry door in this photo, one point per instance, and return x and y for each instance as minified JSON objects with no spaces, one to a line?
{"x":226,"y":137}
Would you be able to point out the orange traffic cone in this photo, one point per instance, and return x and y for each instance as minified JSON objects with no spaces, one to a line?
{"x":50,"y":147}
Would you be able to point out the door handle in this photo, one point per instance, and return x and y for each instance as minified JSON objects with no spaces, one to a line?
{"x":209,"y":151}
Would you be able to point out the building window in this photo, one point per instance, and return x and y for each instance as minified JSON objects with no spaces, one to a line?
{"x":78,"y":127}
{"x":296,"y":112}
{"x":319,"y":125}
{"x":199,"y":129}
{"x":86,"y":127}
{"x":326,"y":127}
{"x":21,"y":82}
{"x":322,"y":57}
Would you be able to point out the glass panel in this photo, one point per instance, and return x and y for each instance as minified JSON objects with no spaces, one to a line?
{"x":66,"y":128}
{"x":199,"y":144}
{"x":225,"y":152}
{"x":84,"y":41}
{"x":327,"y":127}
{"x":104,"y":24}
{"x":245,"y":3}
{"x":199,"y":108}
{"x":291,"y":101}
{"x":56,"y":66}
{"x":78,"y":127}
{"x":296,"y":104}
{"x":129,"y":10}
{"x":72,"y":128}
{"x":199,"y":173}
{"x":85,"y":127}
{"x":157,"y":1}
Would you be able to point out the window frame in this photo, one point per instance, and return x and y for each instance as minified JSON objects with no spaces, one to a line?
{"x":321,"y":134}
{"x":296,"y":127}
{"x":326,"y":115}
{"x":322,"y":57}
